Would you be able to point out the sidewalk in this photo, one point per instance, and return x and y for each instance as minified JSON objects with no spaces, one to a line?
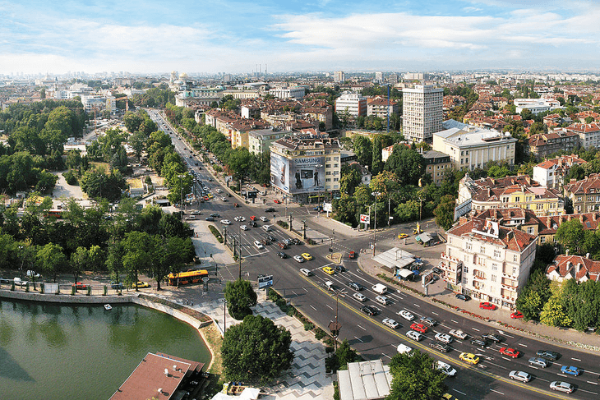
{"x":498,"y":319}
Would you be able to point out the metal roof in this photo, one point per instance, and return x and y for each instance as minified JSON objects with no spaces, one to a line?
{"x":365,"y":381}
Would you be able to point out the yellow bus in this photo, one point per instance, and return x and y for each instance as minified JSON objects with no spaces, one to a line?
{"x":184,"y":278}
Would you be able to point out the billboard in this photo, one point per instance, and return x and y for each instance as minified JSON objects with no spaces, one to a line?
{"x":298,"y":175}
{"x":487,"y":228}
{"x":265,"y":281}
{"x":365,"y":219}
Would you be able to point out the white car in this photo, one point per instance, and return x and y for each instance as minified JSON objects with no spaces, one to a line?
{"x":258,"y":244}
{"x":264,"y":219}
{"x":219,"y":191}
{"x":402,"y":348}
{"x":520,"y":376}
{"x":224,"y":198}
{"x":446,"y":368}
{"x":416,"y":336}
{"x":360,"y":297}
{"x":443,"y":337}
{"x":33,"y":274}
{"x":244,"y":227}
{"x":226,"y":222}
{"x":406,"y":315}
{"x":457,"y":333}
{"x":299,"y":259}
{"x":237,"y":219}
{"x":562,"y":386}
{"x":241,"y":219}
{"x":390,"y":322}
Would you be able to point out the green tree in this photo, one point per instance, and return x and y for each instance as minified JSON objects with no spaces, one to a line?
{"x":570,"y":235}
{"x":408,"y":211}
{"x":415,"y":377}
{"x":256,"y":350}
{"x":51,"y":259}
{"x":534,"y":295}
{"x":363,"y":148}
{"x":79,"y":260}
{"x":444,"y":212}
{"x":138,"y":250}
{"x":407,"y":164}
{"x":240,"y":297}
{"x":345,"y":354}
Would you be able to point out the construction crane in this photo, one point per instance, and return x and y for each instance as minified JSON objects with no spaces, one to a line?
{"x":126,"y":102}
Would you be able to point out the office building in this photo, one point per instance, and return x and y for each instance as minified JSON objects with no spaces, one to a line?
{"x":423,"y":112}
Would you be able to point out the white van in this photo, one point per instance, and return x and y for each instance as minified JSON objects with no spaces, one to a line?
{"x":379,"y":288}
{"x":267,"y":228}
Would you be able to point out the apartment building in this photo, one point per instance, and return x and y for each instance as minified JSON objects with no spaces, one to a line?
{"x":436,"y":165}
{"x":589,"y":134}
{"x":551,"y":173}
{"x":580,"y":268}
{"x":259,"y":141}
{"x":306,"y":168}
{"x":422,"y":112}
{"x":471,"y":147}
{"x":488,"y":261}
{"x":536,"y":106}
{"x":381,"y":107}
{"x":354,"y":103}
{"x":584,"y":195}
{"x":339,"y":76}
{"x":295,"y":92}
{"x":544,"y":144}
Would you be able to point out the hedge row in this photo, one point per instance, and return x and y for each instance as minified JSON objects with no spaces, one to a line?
{"x":216,"y":233}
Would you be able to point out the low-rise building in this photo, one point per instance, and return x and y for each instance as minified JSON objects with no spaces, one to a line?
{"x":536,"y":106}
{"x":381,"y":107}
{"x":470,"y":147}
{"x":259,"y":141}
{"x":584,"y":195}
{"x":354,"y":103}
{"x":436,"y":165}
{"x":295,"y":92}
{"x":589,"y":134}
{"x":488,"y":261}
{"x":544,"y":144}
{"x":579,"y":268}
{"x":551,"y":173}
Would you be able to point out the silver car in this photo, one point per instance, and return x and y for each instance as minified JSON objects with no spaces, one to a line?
{"x":360,"y":297}
{"x":406,"y":315}
{"x":520,"y":376}
{"x":443,"y":337}
{"x":416,"y":336}
{"x":391,"y":323}
{"x":561,"y":386}
{"x":538,"y":362}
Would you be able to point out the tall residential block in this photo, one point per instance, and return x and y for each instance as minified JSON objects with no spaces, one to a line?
{"x":422,"y":108}
{"x":338,"y":76}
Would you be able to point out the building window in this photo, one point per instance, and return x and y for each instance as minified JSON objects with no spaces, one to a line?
{"x":494,"y":267}
{"x":542,"y":239}
{"x":468,"y":246}
{"x":493,"y":278}
{"x":465,"y":281}
{"x":482,"y":249}
{"x":515,"y":258}
{"x":517,"y":199}
{"x":530,"y":230}
{"x":327,"y":165}
{"x":497,"y":254}
{"x":514,"y":271}
{"x":465,"y":269}
{"x":328,"y":180}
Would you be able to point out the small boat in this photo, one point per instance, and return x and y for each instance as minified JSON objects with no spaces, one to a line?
{"x":107,"y":307}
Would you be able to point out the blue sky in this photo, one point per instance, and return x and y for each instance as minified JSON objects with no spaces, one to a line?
{"x":314,"y":35}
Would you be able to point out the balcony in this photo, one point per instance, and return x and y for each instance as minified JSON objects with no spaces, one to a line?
{"x":446,"y":257}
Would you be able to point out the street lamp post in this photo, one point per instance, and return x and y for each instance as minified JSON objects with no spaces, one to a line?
{"x":375,"y":228}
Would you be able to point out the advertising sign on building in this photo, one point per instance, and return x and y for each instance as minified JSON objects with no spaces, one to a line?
{"x":328,"y":207}
{"x":265,"y":281}
{"x":298,"y":175}
{"x":487,"y":228}
{"x":365,"y":219}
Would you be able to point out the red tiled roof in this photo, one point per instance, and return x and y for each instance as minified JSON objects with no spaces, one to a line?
{"x":511,"y":238}
{"x":577,"y":267}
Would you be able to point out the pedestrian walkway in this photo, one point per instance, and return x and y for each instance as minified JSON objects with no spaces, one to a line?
{"x":498,"y":319}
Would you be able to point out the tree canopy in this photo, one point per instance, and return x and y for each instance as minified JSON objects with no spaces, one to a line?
{"x":415,"y":377}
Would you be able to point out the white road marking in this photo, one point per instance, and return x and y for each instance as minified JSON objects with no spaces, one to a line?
{"x":593,"y":383}
{"x":361,"y":327}
{"x":359,"y":339}
{"x":475,"y":329}
{"x":521,"y":344}
{"x":386,"y":355}
{"x":575,"y":359}
{"x":434,"y":313}
{"x":506,"y":358}
{"x":456,"y":322}
{"x":331,"y":308}
{"x":495,"y":391}
{"x":587,"y":391}
{"x":416,"y":305}
{"x":313,"y":308}
{"x":295,"y":293}
{"x":458,"y":391}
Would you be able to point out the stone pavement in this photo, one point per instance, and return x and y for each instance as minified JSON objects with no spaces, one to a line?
{"x":306,"y":379}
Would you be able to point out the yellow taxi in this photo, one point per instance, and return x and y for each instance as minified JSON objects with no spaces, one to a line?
{"x":469,"y":358}
{"x":139,"y":284}
{"x":402,"y":235}
{"x":307,"y":256}
{"x":328,"y":270}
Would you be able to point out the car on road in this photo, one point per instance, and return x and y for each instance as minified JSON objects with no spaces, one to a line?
{"x":561,"y":386}
{"x":516,"y":315}
{"x":264,"y":219}
{"x":209,"y":218}
{"x":469,"y":358}
{"x":493,"y":337}
{"x":116,"y":285}
{"x":520,"y":376}
{"x":296,"y":241}
{"x":547,"y":354}
{"x":436,"y":270}
{"x":329,"y":285}
{"x":479,"y":341}
{"x":369,"y":310}
{"x":416,"y":336}
{"x":402,"y":348}
{"x":444,"y":348}
{"x":139,"y":284}
{"x":276,"y":201}
{"x":402,"y":236}
{"x":391,"y":323}
{"x":270,"y":209}
{"x":215,"y":215}
{"x":510,"y":352}
{"x":282,"y":246}
{"x":306,"y":256}
{"x":486,"y":305}
{"x":225,"y":222}
{"x":446,"y":369}
{"x":328,"y":270}
{"x":352,"y":255}
{"x":538,"y":362}
{"x":407,"y":315}
{"x":443,"y":337}
{"x":81,"y":286}
{"x":19,"y":282}
{"x":299,"y":259}
{"x":356,"y":286}
{"x":240,"y":219}
{"x":258,"y":245}
{"x":428,"y":321}
{"x":360,"y":297}
{"x":196,"y":212}
{"x":243,"y":227}
{"x":458,"y":334}
{"x":419,"y":328}
{"x":281,"y":254}
{"x":306,"y":272}
{"x":272,"y":238}
{"x":223,"y":198}
{"x":382,"y":300}
{"x":570,"y":370}
{"x":463,"y":297}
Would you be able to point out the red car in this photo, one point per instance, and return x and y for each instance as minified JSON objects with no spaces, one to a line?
{"x":276,"y":201}
{"x":352,"y":255}
{"x":80,"y":286}
{"x":419,"y":328}
{"x":507,"y":351}
{"x":486,"y":305}
{"x":516,"y":315}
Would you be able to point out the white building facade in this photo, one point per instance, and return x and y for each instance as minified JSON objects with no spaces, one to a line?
{"x":354,"y":103}
{"x":422,"y":112}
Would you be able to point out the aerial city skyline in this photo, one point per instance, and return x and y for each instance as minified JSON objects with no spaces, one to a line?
{"x":236,"y":37}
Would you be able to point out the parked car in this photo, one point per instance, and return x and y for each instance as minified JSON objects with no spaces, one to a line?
{"x":570,"y":370}
{"x":510,"y":352}
{"x":360,"y":297}
{"x":516,"y":315}
{"x":560,"y":386}
{"x":458,"y":334}
{"x":444,"y":348}
{"x":406,"y":315}
{"x":416,"y":336}
{"x":390,"y":322}
{"x":139,"y":284}
{"x":548,"y":355}
{"x":520,"y":376}
{"x":117,"y":285}
{"x":20,"y":282}
{"x":80,"y":286}
{"x":463,"y":297}
{"x":486,"y":305}
{"x":443,"y":337}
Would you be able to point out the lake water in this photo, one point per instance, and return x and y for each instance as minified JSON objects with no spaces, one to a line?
{"x":56,"y":352}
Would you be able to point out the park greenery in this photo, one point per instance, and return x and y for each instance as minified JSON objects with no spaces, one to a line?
{"x":240,"y":296}
{"x":256,"y":350}
{"x":415,"y":377}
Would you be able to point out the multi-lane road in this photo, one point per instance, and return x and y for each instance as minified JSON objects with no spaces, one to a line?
{"x":488,"y":380}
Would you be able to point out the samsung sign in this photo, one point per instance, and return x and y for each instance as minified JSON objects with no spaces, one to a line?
{"x":298,"y":175}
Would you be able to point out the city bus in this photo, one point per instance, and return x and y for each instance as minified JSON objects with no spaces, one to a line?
{"x":184,"y":278}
